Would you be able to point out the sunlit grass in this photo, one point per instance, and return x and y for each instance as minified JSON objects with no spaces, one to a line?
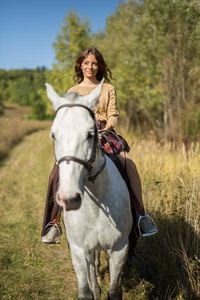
{"x":30,"y":269}
{"x":171,"y":190}
{"x":14,"y":125}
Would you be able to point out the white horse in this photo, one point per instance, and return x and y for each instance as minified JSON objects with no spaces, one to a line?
{"x":96,"y":201}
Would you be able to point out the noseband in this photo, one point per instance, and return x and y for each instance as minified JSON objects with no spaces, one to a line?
{"x":86,"y":164}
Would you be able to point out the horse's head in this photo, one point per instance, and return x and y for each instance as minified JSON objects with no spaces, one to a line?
{"x":75,"y":135}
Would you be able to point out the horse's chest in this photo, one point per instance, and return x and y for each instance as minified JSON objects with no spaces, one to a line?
{"x":93,"y":232}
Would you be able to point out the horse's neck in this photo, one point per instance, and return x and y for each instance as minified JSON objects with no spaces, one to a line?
{"x":99,"y":165}
{"x":104,"y":178}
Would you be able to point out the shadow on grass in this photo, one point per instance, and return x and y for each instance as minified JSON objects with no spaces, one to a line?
{"x":166,"y":265}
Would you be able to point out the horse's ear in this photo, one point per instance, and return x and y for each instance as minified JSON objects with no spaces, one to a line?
{"x":53,"y":96}
{"x":91,"y":99}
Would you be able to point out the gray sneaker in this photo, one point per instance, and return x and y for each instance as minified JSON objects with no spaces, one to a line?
{"x":146,"y":226}
{"x":53,"y":231}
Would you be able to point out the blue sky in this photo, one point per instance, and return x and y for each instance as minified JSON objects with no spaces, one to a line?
{"x":29,"y":27}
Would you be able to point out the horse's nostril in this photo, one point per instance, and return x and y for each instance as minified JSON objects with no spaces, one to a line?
{"x":76,"y":199}
{"x":72,"y":203}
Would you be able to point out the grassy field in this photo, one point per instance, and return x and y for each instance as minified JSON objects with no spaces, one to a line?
{"x":14,"y":125}
{"x":167,"y":265}
{"x":170,"y":261}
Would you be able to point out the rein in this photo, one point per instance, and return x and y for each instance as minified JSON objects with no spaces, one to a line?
{"x":87,"y":164}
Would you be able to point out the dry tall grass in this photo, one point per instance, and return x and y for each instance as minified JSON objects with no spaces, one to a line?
{"x":168,"y":263}
{"x":14,"y":125}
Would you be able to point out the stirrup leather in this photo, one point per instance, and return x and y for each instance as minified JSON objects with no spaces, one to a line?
{"x":139,"y":221}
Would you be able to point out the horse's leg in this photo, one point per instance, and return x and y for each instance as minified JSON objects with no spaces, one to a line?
{"x":97,"y":262}
{"x":116,"y":263}
{"x":95,"y":286}
{"x":81,"y":268}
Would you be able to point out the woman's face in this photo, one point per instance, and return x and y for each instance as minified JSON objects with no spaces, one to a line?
{"x":89,"y":66}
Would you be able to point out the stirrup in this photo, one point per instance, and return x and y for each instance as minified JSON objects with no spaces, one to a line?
{"x":146,"y":234}
{"x":51,"y":224}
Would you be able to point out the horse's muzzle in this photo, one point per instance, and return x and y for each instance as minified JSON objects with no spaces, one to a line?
{"x":71,"y":203}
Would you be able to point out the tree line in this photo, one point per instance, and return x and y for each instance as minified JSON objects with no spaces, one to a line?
{"x":152,"y":48}
{"x":25,"y":87}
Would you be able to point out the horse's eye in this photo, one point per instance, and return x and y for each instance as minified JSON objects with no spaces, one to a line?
{"x":53,"y":136}
{"x":89,"y":136}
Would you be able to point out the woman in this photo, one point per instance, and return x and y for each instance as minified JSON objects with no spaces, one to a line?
{"x":90,"y":69}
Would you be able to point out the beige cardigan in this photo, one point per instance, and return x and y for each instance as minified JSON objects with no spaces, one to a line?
{"x":106,"y":110}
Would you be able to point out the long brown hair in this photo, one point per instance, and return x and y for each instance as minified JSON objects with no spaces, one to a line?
{"x":103,"y":72}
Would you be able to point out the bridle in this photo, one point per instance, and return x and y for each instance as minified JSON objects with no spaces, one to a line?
{"x":87,"y":164}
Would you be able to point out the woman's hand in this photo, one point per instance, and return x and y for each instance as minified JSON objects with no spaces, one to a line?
{"x":104,"y":132}
{"x":108,"y":127}
{"x":100,"y":135}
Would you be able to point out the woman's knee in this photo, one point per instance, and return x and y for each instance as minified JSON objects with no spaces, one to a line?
{"x":125,"y":159}
{"x":131,"y":165}
{"x":130,"y":168}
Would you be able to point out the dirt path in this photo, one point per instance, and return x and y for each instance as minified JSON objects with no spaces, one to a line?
{"x":30,"y":269}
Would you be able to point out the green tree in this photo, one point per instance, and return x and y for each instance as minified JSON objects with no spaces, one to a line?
{"x":153,"y":49}
{"x":4,"y":93}
{"x":20,"y":90}
{"x":40,"y":105}
{"x":73,"y":37}
{"x":24,"y":87}
{"x":137,"y":73}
